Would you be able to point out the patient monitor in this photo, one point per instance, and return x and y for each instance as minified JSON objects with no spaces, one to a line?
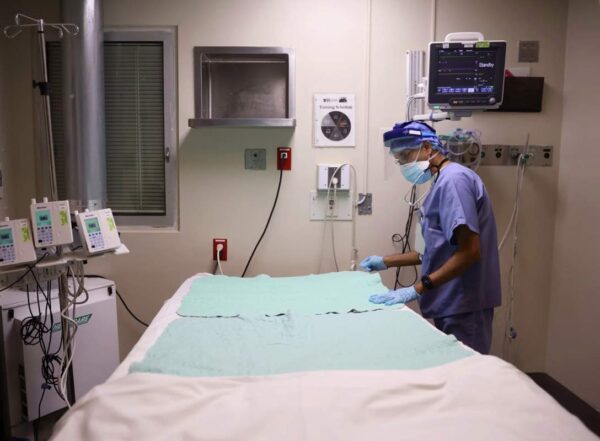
{"x":98,"y":230}
{"x":16,"y":243}
{"x":51,"y":223}
{"x":466,"y":72}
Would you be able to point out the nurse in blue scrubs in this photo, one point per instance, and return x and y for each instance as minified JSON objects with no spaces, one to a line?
{"x":460,"y":273}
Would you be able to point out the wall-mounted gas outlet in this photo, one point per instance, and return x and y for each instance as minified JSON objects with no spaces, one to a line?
{"x":223,"y":252}
{"x":492,"y":154}
{"x":500,"y":154}
{"x":333,"y":177}
{"x":284,"y":158}
{"x":338,"y":207}
{"x":255,"y":159}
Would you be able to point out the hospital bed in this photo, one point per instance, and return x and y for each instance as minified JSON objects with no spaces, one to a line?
{"x":359,"y":383}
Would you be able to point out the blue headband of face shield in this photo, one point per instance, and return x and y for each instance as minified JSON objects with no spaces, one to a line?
{"x":410,"y":135}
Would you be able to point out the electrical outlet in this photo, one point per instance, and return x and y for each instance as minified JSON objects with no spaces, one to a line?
{"x":223,"y":255}
{"x":284,"y":158}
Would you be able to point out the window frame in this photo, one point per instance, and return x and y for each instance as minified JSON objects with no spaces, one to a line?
{"x":167,"y":35}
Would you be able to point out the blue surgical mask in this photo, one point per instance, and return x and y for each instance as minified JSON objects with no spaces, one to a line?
{"x":417,"y":172}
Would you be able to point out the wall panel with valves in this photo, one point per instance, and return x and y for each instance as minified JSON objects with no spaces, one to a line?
{"x":503,"y":154}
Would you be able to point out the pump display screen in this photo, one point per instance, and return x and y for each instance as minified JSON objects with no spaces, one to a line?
{"x":466,"y":75}
{"x":43,"y":218}
{"x":92,"y":225}
{"x":6,"y":236}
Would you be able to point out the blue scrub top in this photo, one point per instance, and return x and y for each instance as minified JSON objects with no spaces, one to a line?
{"x":459,"y":198}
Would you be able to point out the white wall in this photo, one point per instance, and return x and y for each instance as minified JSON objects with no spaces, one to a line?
{"x":331,"y":38}
{"x":573,"y":354}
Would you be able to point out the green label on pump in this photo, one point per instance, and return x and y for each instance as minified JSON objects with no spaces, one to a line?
{"x":111,"y":224}
{"x":25,"y":234}
{"x":482,"y":44}
{"x":63,"y":217}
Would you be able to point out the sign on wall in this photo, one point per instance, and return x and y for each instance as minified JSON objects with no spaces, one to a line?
{"x":334,"y":121}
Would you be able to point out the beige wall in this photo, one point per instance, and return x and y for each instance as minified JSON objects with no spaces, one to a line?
{"x":573,"y":354}
{"x":218,"y":198}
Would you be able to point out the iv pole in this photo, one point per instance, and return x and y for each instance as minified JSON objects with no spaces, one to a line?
{"x":23,"y":21}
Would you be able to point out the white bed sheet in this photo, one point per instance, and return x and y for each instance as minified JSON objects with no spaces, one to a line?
{"x":479,"y":397}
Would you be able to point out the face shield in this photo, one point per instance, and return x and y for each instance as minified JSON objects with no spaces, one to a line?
{"x":406,"y":137}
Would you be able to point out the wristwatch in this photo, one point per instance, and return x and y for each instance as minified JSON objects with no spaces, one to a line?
{"x":427,"y":283}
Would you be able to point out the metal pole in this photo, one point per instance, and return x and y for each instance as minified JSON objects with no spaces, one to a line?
{"x":43,"y":86}
{"x":63,"y":280}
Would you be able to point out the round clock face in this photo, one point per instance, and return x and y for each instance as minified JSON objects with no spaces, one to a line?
{"x":336,"y":126}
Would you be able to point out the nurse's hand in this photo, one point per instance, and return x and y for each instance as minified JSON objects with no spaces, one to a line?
{"x":402,"y":295}
{"x":373,"y":263}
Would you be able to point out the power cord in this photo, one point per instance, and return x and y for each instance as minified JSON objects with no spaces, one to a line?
{"x":219,"y":249}
{"x":22,"y":276}
{"x":143,"y":323}
{"x":268,"y":220}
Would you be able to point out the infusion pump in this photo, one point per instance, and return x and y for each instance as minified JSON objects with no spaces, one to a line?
{"x":51,"y":223}
{"x":98,"y":230}
{"x":16,"y":243}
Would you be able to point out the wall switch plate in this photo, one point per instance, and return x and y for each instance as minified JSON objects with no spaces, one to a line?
{"x":255,"y":159}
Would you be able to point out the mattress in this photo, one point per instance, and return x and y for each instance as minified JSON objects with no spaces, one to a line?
{"x":468,"y":398}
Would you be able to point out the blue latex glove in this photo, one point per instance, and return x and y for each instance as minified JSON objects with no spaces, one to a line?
{"x":373,"y":263}
{"x":402,"y":295}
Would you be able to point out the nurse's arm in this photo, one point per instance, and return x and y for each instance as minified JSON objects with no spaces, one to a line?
{"x":467,"y":254}
{"x":405,"y":259}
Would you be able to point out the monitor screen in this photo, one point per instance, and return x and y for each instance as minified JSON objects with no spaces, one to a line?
{"x":466,"y":75}
{"x":92,"y":225}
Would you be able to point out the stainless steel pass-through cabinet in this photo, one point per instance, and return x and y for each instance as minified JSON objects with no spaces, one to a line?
{"x":244,"y":87}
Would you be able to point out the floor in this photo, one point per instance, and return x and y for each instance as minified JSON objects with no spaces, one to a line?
{"x":567,"y":399}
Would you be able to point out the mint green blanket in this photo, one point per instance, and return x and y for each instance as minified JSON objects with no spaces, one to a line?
{"x":223,"y":296}
{"x":242,"y":346}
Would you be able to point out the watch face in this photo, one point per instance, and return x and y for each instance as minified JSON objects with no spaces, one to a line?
{"x":426,"y":281}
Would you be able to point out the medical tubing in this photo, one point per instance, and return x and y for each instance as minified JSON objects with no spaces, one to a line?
{"x":404,"y":240}
{"x":520,"y":175}
{"x":355,"y":204}
{"x":268,"y":222}
{"x":77,"y":276}
{"x":508,"y":336}
{"x":337,"y":268}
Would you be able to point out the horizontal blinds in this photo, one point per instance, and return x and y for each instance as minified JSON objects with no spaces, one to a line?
{"x":134,"y":115}
{"x":134,"y":110}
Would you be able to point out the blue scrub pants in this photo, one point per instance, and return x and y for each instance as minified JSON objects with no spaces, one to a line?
{"x":474,"y":329}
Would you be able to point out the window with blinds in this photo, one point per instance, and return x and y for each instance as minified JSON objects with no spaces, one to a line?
{"x":134,"y":115}
{"x":137,"y":168}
